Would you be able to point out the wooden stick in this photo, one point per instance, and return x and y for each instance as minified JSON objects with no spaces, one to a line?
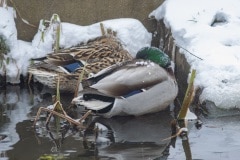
{"x":37,"y":116}
{"x":85,"y":116}
{"x":69,"y":119}
{"x":188,"y":97}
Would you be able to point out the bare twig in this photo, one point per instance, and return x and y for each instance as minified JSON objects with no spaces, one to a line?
{"x":69,"y":119}
{"x":180,"y":130}
{"x":189,"y":52}
{"x":102,"y":29}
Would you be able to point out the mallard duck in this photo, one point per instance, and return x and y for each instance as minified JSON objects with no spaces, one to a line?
{"x":68,"y":64}
{"x":140,"y":86}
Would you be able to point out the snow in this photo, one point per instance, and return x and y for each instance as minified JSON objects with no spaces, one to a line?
{"x":208,"y":29}
{"x":131,"y":33}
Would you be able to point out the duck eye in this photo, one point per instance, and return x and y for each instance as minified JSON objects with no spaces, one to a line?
{"x":86,"y":97}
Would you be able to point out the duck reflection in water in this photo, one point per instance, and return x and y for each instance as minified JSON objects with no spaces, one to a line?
{"x":126,"y":137}
{"x":130,"y":137}
{"x":115,"y":138}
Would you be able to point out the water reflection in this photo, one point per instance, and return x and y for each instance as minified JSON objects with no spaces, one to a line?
{"x":14,"y":104}
{"x":117,"y":138}
{"x":32,"y":147}
{"x":132,"y":137}
{"x":124,"y":137}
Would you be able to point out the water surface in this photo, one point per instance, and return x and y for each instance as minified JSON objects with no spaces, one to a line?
{"x":117,"y":138}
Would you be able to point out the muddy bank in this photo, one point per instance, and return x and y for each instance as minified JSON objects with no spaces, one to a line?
{"x":85,"y":12}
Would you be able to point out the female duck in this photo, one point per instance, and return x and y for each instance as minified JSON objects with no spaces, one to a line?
{"x":137,"y":87}
{"x":69,"y":64}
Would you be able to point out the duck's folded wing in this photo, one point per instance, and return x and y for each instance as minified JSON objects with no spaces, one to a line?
{"x":42,"y":67}
{"x":130,"y":78}
{"x":95,"y":104}
{"x":60,"y":59}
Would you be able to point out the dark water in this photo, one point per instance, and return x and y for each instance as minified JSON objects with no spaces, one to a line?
{"x":121,"y":138}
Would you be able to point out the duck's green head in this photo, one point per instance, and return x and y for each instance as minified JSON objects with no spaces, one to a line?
{"x":154,"y":54}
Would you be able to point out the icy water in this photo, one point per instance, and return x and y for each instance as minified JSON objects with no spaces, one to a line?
{"x":119,"y":138}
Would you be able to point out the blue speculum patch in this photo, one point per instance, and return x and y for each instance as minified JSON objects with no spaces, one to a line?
{"x":132,"y":93}
{"x":73,"y":66}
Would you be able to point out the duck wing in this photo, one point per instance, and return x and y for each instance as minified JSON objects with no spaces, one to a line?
{"x":129,"y":77}
{"x":60,"y":59}
{"x":39,"y":68}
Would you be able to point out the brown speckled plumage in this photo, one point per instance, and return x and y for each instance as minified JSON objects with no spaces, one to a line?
{"x":96,"y":55}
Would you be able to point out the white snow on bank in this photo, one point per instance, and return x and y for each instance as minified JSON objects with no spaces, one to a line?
{"x":210,"y":30}
{"x":131,"y":33}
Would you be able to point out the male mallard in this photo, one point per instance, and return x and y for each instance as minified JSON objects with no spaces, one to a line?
{"x":140,"y":86}
{"x":68,"y":64}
